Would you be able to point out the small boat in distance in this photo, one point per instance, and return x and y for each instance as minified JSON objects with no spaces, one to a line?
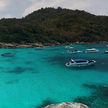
{"x":38,"y":48}
{"x":8,"y":54}
{"x":80,"y":62}
{"x":74,"y":51}
{"x":68,"y":47}
{"x":91,"y":50}
{"x":106,"y":52}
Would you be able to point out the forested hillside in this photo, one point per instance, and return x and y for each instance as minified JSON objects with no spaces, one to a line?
{"x":52,"y":25}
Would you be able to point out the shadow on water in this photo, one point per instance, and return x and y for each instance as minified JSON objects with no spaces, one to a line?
{"x":19,"y":70}
{"x":12,"y":81}
{"x":82,"y":68}
{"x":95,"y":45}
{"x":31,"y":53}
{"x":101,"y":63}
{"x":28,"y":62}
{"x":57,"y":60}
{"x":54,"y":49}
{"x":98,"y":97}
{"x":10,"y":59}
{"x":45,"y":103}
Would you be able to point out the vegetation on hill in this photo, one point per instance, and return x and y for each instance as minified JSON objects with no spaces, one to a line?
{"x":52,"y":25}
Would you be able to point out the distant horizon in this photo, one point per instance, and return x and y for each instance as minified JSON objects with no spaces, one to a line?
{"x":19,"y":8}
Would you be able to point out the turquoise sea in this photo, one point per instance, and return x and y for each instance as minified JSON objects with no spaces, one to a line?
{"x":34,"y":78}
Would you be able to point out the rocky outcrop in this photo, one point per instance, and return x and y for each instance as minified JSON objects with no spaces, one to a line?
{"x":15,"y":45}
{"x":67,"y":105}
{"x":35,"y":45}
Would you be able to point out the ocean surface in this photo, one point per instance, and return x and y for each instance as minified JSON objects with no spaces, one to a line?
{"x":34,"y":78}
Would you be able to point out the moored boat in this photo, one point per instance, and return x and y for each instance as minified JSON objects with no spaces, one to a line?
{"x":68,"y":47}
{"x":91,"y":50}
{"x":80,"y":62}
{"x":38,"y":48}
{"x":106,"y":52}
{"x":8,"y":54}
{"x":74,"y":51}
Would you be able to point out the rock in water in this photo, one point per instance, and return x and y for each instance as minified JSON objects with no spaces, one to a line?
{"x":67,"y":105}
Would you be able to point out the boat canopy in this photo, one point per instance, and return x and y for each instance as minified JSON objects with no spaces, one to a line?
{"x":80,"y":60}
{"x":8,"y":53}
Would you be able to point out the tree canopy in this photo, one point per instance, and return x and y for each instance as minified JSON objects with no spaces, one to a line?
{"x":50,"y":25}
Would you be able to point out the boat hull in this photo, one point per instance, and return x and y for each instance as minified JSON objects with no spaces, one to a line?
{"x":80,"y":64}
{"x":106,"y":52}
{"x":74,"y":52}
{"x":91,"y":50}
{"x":8,"y":55}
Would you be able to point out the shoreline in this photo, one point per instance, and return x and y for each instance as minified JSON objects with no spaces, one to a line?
{"x":36,"y":45}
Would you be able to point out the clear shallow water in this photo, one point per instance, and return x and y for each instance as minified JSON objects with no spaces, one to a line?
{"x":34,"y":78}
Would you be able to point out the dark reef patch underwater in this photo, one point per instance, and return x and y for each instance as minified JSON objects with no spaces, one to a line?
{"x":19,"y":70}
{"x":61,"y":57}
{"x":12,"y":81}
{"x":45,"y":103}
{"x":101,"y":65}
{"x":37,"y":78}
{"x":98,"y":98}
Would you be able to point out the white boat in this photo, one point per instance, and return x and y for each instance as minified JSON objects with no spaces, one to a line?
{"x":8,"y":54}
{"x":68,"y":47}
{"x":38,"y":48}
{"x":74,"y":51}
{"x":80,"y":63}
{"x":91,"y":50}
{"x":106,"y":51}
